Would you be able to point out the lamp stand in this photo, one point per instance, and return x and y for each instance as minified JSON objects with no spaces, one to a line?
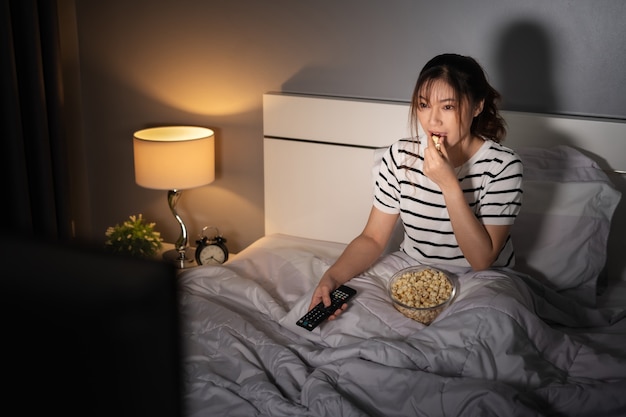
{"x":181,"y":255}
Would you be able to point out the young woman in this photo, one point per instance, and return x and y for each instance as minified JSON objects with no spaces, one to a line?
{"x":456,"y":189}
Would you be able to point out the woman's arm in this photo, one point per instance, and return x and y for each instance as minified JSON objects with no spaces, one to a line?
{"x":479,"y":243}
{"x":359,"y":255}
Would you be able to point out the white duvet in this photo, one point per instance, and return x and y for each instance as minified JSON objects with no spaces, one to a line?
{"x":507,"y":346}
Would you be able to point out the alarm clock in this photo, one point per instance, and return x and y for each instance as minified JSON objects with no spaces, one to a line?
{"x":211,"y":250}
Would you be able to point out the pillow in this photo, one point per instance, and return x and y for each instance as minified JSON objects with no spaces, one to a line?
{"x":561,"y":233}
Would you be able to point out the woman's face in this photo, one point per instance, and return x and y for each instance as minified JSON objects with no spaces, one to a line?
{"x":440,"y":114}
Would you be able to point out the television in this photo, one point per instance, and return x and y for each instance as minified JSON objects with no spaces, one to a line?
{"x":87,"y":332}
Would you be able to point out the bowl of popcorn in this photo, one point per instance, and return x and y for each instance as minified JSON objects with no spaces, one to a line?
{"x":421,"y":292}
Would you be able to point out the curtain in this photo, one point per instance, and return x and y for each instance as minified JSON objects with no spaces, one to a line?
{"x":35,"y":148}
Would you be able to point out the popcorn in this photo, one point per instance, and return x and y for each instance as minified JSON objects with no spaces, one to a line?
{"x":436,"y":140}
{"x":420,"y":294}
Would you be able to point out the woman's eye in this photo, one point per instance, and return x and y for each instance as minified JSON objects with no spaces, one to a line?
{"x":423,"y":105}
{"x":448,"y":107}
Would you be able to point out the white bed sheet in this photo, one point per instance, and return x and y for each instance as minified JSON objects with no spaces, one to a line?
{"x":506,"y":346}
{"x":613,"y":296}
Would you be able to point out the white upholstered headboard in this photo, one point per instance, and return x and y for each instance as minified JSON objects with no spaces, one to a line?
{"x":319,"y":151}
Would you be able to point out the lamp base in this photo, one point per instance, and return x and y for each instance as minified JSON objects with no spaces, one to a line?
{"x":173,"y":256}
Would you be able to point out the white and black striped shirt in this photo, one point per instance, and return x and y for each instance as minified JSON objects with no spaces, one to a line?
{"x":491,"y":181}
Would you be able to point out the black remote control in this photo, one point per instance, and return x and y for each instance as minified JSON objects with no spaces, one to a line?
{"x":319,"y":313}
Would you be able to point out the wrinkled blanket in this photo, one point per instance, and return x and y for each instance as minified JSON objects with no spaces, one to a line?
{"x":506,"y":346}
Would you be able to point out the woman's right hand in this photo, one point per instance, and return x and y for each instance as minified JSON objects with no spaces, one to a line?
{"x":322,"y":293}
{"x":356,"y":257}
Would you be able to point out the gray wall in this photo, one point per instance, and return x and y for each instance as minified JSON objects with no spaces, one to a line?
{"x":208,"y":62}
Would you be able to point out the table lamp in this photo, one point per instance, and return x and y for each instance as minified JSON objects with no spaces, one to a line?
{"x":175,"y":158}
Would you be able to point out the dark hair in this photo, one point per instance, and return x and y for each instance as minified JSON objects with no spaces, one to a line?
{"x":467,"y":78}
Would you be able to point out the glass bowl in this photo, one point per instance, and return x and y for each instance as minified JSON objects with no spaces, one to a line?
{"x":421,"y":292}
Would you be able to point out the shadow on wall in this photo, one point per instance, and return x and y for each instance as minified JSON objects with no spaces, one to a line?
{"x":524,"y":60}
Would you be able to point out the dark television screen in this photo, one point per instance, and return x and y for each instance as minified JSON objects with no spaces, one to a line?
{"x":88,"y":333}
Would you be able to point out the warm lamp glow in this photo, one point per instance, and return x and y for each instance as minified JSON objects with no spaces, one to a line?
{"x":174,"y":157}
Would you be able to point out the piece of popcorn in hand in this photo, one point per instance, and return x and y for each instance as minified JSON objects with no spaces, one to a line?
{"x":436,"y":140}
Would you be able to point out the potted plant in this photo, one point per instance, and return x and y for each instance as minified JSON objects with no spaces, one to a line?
{"x":135,"y":237}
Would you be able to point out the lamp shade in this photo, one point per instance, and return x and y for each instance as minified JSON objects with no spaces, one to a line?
{"x":174,"y":157}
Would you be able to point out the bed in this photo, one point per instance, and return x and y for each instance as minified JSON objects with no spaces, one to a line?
{"x":547,"y":338}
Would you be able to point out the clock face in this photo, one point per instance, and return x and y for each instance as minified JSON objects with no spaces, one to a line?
{"x":212,"y":255}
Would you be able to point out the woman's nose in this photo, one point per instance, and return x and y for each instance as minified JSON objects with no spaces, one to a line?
{"x":434,"y":117}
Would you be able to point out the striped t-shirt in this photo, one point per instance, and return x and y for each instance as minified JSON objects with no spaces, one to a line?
{"x":491,"y":181}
